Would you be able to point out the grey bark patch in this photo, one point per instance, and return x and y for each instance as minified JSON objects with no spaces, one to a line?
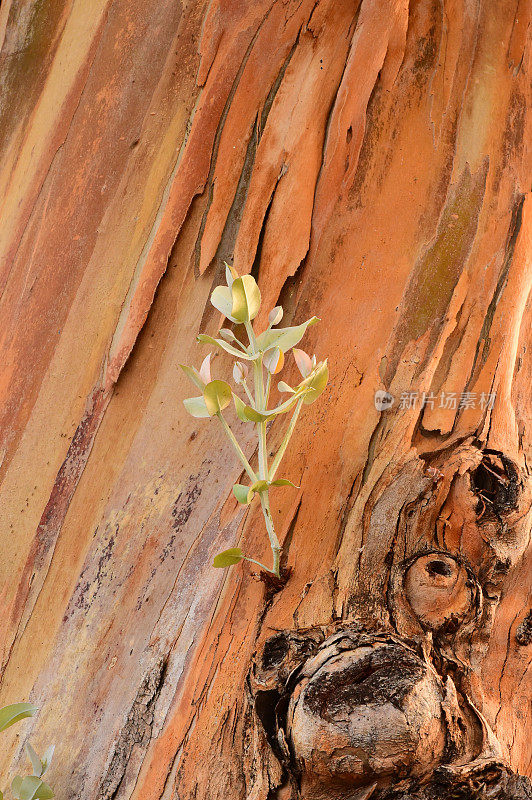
{"x":136,"y":731}
{"x":383,"y":676}
{"x":491,"y":782}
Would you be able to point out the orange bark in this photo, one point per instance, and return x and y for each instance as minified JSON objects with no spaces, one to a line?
{"x":370,"y":162}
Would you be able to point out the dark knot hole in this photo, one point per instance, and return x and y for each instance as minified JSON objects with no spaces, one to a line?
{"x":439,"y":568}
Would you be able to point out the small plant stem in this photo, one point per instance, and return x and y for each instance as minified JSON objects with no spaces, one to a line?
{"x":263,"y":455}
{"x":268,"y":386}
{"x":232,"y":438}
{"x":246,"y":389}
{"x":284,"y":444}
{"x":274,"y":541}
{"x":239,"y":343}
{"x":260,"y":403}
{"x":260,"y":564}
{"x":251,"y":336}
{"x":261,"y":399}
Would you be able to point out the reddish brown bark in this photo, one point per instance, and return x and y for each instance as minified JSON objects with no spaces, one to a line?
{"x":370,"y":162}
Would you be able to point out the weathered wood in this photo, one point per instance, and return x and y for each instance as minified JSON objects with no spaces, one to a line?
{"x":370,"y":162}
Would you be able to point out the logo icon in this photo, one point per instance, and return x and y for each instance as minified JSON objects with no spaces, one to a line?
{"x":383,"y":400}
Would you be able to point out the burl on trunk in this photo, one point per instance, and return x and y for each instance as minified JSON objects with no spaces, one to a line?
{"x":386,"y":702}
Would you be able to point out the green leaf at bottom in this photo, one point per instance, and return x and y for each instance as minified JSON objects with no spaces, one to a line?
{"x":228,"y":557}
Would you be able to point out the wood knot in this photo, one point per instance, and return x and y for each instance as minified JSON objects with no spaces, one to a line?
{"x":523,"y":634}
{"x":439,"y":590}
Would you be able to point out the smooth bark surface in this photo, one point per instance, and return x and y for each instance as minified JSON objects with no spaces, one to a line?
{"x":370,"y":163}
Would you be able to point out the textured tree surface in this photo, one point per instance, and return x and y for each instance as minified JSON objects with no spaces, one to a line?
{"x":370,"y":162}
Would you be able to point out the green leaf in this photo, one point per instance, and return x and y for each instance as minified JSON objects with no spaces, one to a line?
{"x":240,"y":407}
{"x":224,"y":346}
{"x":14,"y":713}
{"x":240,"y":372}
{"x":222,"y":300}
{"x":229,"y":336}
{"x":258,"y":487}
{"x":217,"y":396}
{"x":253,"y":415}
{"x":249,"y":414}
{"x":230,"y":274}
{"x":284,"y":338}
{"x":246,"y":298}
{"x":246,"y":413}
{"x":317,"y":382}
{"x":36,"y":762}
{"x":286,"y":406}
{"x":205,"y":369}
{"x":284,"y":387}
{"x":16,"y":783}
{"x":228,"y":557}
{"x":262,"y":486}
{"x":32,"y":788}
{"x":194,"y":376}
{"x":303,"y":361}
{"x":275,"y":316}
{"x":241,"y":493}
{"x":47,"y":758}
{"x":274,"y":360}
{"x":196,"y":407}
{"x":1,"y":795}
{"x":44,"y":792}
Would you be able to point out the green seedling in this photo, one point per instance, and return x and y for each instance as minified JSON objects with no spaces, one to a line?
{"x":255,"y":365}
{"x":32,"y":787}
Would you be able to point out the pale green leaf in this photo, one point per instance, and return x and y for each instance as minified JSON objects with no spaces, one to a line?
{"x":241,"y":493}
{"x":228,"y":557}
{"x":1,"y":795}
{"x":196,"y":407}
{"x":263,"y":486}
{"x":205,"y":369}
{"x":275,"y":316}
{"x":255,"y":416}
{"x":32,"y":788}
{"x":274,"y":360}
{"x":194,"y":376}
{"x":217,"y":396}
{"x":286,"y":406}
{"x":230,"y":274}
{"x":284,"y":338}
{"x":316,"y":383}
{"x":257,"y":487}
{"x":246,"y":413}
{"x":15,"y":712}
{"x":303,"y":361}
{"x":240,"y":372}
{"x":246,"y":299}
{"x":240,"y":407}
{"x":222,"y":300}
{"x":203,"y":337}
{"x":284,"y":387}
{"x":36,"y":762}
{"x":44,"y":792}
{"x":229,"y":336}
{"x":16,"y":783}
{"x":47,"y":757}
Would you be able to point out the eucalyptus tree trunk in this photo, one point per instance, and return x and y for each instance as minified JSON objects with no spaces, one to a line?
{"x":370,"y":163}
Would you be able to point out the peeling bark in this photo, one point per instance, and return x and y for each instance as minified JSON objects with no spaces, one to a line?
{"x":370,"y":163}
